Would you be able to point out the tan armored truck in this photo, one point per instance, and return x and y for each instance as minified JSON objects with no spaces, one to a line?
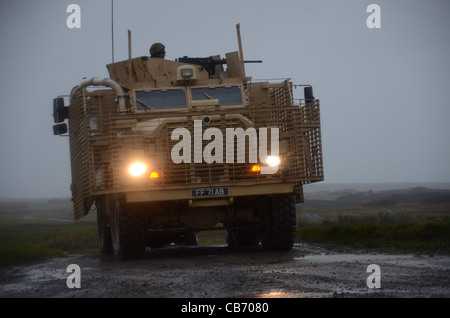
{"x":165,"y":149}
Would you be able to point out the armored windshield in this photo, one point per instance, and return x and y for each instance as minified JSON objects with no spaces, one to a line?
{"x":226,"y":95}
{"x":173,"y":98}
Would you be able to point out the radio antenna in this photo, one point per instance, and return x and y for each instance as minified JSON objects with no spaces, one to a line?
{"x":238,"y":31}
{"x":112,"y":30}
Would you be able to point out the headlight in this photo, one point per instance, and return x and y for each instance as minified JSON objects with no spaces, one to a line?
{"x":137,"y":169}
{"x":273,"y":161}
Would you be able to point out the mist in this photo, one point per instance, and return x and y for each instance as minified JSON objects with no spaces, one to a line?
{"x":384,"y":92}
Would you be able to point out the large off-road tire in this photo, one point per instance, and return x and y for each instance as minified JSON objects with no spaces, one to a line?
{"x":103,"y":225}
{"x":279,"y":234}
{"x":127,"y":230}
{"x":190,"y":238}
{"x":241,"y":237}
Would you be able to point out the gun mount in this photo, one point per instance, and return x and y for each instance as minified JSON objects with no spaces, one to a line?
{"x":209,"y":63}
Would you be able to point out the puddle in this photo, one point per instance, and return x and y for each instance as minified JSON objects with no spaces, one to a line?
{"x":406,"y":260}
{"x":339,"y":258}
{"x":282,"y":294}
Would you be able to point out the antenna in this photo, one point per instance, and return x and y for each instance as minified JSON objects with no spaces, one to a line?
{"x":112,"y":30}
{"x":129,"y":57}
{"x":238,"y":31}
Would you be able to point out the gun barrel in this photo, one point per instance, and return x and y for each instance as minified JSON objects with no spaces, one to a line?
{"x":252,"y":61}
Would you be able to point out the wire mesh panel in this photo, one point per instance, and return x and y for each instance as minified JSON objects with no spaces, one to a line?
{"x":299,"y":126}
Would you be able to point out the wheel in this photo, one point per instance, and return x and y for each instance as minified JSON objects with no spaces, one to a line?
{"x":103,"y":225}
{"x":229,"y":238}
{"x":279,"y":234}
{"x":127,"y":230}
{"x":241,"y":237}
{"x":190,"y":238}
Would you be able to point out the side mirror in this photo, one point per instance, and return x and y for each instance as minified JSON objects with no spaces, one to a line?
{"x":59,"y":129}
{"x":60,"y":112}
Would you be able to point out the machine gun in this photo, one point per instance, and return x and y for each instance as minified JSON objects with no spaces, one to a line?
{"x":208,"y":63}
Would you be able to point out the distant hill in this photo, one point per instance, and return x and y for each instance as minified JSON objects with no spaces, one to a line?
{"x":371,"y":198}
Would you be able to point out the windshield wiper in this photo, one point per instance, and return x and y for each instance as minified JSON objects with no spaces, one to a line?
{"x":207,"y":96}
{"x":143,"y":104}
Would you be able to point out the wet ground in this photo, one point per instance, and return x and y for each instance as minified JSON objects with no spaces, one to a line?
{"x":218,"y":271}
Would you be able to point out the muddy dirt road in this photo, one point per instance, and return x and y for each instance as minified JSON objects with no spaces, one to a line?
{"x":218,"y":271}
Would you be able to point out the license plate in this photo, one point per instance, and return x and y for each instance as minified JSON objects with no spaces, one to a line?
{"x":209,"y":192}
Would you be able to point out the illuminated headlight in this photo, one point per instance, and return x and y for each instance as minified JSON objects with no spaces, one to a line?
{"x":273,"y":161}
{"x":137,"y":169}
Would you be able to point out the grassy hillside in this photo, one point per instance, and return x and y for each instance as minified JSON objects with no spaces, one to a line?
{"x":35,"y":229}
{"x":413,"y":220}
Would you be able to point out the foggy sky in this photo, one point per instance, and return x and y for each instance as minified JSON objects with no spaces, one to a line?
{"x":384,"y":93}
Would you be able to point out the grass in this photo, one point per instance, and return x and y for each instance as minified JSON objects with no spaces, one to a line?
{"x":423,"y":237}
{"x":43,"y":230}
{"x":18,"y":253}
{"x":408,"y":229}
{"x":21,"y":243}
{"x":206,"y":238}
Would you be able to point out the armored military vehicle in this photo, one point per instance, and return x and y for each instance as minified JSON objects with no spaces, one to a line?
{"x":164,"y":149}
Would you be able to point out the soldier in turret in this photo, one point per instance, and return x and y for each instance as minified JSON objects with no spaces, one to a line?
{"x":158,"y":50}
